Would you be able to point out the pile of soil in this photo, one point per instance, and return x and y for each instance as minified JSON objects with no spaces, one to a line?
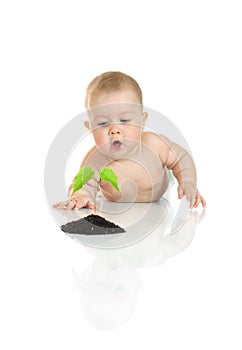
{"x":92,"y":225}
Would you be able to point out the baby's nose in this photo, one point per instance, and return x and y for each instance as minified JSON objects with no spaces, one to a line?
{"x":114,"y":130}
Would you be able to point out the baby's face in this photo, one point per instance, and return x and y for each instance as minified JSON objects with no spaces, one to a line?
{"x":116,"y":121}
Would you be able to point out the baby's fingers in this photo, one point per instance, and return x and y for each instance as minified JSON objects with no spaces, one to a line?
{"x":80,"y":204}
{"x":199,"y":199}
{"x":189,"y":196}
{"x":191,"y":199}
{"x":180,"y":192}
{"x":90,"y":206}
{"x":203,"y":202}
{"x":60,"y":205}
{"x":69,"y":204}
{"x":84,"y":204}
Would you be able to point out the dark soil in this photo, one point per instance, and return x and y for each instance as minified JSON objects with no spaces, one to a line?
{"x":92,"y":225}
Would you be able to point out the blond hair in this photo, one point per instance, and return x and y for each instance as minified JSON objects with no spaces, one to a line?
{"x":110,"y":82}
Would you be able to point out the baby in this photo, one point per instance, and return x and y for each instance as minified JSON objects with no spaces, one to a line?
{"x":139,"y":158}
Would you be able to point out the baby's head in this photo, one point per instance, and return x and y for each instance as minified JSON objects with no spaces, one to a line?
{"x":111,"y":83}
{"x":115,"y":109}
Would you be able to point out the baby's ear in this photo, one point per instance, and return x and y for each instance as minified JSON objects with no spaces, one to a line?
{"x":86,"y":123}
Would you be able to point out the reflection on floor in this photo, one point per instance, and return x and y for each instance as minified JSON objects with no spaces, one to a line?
{"x":109,"y":286}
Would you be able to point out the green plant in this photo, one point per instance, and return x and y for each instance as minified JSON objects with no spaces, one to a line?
{"x":86,"y":173}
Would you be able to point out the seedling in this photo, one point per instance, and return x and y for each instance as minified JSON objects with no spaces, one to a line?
{"x":86,"y":173}
{"x":93,"y":224}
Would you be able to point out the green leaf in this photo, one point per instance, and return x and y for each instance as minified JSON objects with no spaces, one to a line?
{"x":109,"y":175}
{"x":85,"y":174}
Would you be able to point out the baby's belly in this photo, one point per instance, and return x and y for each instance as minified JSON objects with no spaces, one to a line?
{"x":137,"y":183}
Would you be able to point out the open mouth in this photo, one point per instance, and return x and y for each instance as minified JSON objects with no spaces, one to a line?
{"x":116,"y":145}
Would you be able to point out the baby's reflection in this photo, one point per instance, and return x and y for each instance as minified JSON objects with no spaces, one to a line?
{"x":109,"y":286}
{"x":109,"y":291}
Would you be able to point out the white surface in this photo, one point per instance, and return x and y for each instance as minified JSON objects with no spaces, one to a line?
{"x":186,"y":55}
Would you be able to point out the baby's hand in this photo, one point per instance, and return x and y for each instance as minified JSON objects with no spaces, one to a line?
{"x":75,"y":203}
{"x":192,"y":196}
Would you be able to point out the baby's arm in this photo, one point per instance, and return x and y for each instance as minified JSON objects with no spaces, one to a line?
{"x":182,"y":165}
{"x":86,"y":196}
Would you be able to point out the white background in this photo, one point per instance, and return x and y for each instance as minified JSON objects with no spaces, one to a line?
{"x":186,"y":56}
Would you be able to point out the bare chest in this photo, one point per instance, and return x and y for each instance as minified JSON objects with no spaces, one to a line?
{"x":138,"y":179}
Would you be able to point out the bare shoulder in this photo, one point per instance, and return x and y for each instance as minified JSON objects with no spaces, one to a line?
{"x":94,"y":158}
{"x":155,"y":141}
{"x":89,"y":155}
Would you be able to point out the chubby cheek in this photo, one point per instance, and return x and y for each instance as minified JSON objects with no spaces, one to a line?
{"x":99,"y":137}
{"x":133,"y":133}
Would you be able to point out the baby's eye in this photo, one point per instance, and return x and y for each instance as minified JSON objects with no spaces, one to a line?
{"x":102,"y":124}
{"x":124,"y":120}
